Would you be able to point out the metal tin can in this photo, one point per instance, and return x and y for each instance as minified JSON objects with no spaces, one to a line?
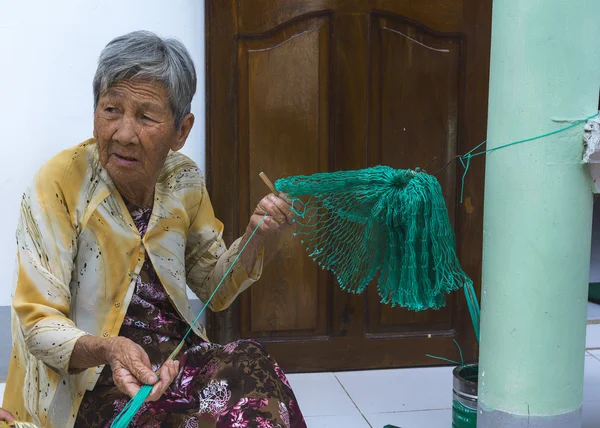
{"x":464,"y":396}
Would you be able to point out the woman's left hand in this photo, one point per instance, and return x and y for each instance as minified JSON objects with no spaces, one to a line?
{"x":279,"y":215}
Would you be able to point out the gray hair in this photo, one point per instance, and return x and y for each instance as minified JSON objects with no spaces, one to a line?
{"x":144,"y":55}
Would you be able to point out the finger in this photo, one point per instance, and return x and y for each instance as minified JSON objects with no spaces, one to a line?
{"x":260,"y":210}
{"x":287,"y":216}
{"x":269,"y":224}
{"x":280,"y":201}
{"x":167,"y":374}
{"x":126,"y":382}
{"x":130,"y":388}
{"x":282,"y":204}
{"x":274,"y":210}
{"x":141,"y":371}
{"x":285,"y":208}
{"x":157,"y":389}
{"x":175,"y":369}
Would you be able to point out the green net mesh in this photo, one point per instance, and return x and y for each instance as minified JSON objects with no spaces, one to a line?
{"x":379,"y":221}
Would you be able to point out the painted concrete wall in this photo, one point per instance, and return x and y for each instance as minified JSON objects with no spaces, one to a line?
{"x":48,"y":54}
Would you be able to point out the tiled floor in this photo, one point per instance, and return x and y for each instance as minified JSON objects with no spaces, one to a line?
{"x":411,"y":398}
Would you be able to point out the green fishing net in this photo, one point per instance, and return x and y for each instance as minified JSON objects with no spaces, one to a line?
{"x":379,"y":221}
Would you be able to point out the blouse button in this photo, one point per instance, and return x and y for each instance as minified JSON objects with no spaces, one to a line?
{"x":118,"y":304}
{"x":105,"y":334}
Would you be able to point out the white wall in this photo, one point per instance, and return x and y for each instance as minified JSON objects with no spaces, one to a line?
{"x":48,"y":54}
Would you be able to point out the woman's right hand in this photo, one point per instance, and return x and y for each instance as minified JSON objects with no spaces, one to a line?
{"x":131,"y":369}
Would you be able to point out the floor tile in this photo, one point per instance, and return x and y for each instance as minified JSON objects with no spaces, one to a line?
{"x":422,"y":419}
{"x":399,"y":390}
{"x":337,"y":422}
{"x":320,"y":394}
{"x":593,"y":312}
{"x":592,"y":339}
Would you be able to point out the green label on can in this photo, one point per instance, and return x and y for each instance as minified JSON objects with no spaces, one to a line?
{"x":462,"y":416}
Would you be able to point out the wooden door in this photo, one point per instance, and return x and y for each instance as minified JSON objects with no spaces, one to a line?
{"x":304,"y":86}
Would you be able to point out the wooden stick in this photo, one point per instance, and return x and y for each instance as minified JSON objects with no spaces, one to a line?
{"x":269,"y":183}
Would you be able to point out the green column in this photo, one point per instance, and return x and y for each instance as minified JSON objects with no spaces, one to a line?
{"x":545,"y":66}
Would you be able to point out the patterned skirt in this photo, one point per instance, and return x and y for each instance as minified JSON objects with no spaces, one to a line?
{"x":233,"y":386}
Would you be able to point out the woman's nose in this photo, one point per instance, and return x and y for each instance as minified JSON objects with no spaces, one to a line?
{"x":127,"y":132}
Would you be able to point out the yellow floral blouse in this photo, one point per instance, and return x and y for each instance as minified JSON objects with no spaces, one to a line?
{"x":79,"y":253}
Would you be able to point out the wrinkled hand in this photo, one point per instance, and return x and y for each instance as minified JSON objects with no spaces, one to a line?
{"x":131,"y":369}
{"x":6,"y":416}
{"x":280,"y":215}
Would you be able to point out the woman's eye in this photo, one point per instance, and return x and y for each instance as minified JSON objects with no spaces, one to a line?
{"x":110,"y":110}
{"x":148,"y":118}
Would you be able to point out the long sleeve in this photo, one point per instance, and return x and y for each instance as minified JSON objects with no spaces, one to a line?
{"x":208,"y":260}
{"x":46,"y":240}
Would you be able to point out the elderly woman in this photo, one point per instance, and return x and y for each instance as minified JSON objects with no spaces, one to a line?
{"x":110,"y":233}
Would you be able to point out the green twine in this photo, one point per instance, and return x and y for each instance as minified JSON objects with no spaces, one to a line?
{"x":124,"y":418}
{"x":470,"y":154}
{"x":133,"y":406}
{"x":474,"y":311}
{"x":466,"y":167}
{"x":462,"y":361}
{"x":473,"y":305}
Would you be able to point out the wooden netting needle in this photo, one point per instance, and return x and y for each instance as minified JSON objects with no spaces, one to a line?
{"x":269,"y":183}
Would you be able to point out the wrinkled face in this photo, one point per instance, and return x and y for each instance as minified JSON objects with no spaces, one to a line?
{"x":135,"y":129}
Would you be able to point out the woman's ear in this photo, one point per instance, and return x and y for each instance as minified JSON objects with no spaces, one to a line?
{"x":183,"y":132}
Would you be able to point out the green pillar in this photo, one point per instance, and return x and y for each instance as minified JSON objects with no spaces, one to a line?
{"x":545,"y":66}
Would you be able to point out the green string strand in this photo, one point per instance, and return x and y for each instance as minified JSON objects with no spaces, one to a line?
{"x":124,"y":418}
{"x":466,"y":167}
{"x":470,"y":154}
{"x":462,"y":361}
{"x":443,"y":359}
{"x":473,"y":305}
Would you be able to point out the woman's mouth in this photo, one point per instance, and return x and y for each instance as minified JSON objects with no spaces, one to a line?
{"x":124,"y":160}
